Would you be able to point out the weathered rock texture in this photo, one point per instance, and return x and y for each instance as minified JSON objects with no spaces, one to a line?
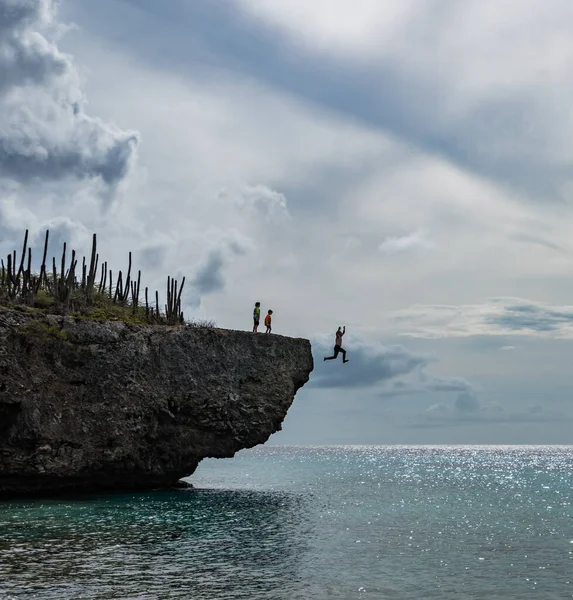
{"x":88,"y":405}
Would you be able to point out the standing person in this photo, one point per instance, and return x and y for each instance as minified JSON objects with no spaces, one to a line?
{"x":338,"y":346}
{"x":268,"y":321}
{"x":256,"y":316}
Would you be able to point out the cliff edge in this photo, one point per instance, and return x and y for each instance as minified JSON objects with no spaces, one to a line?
{"x":88,"y":405}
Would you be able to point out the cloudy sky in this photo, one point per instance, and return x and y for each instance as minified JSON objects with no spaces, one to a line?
{"x":403,"y":167}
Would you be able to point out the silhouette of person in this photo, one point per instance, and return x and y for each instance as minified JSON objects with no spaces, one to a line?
{"x":338,"y":349}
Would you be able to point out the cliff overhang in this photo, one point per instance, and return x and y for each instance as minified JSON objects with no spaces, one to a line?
{"x":88,"y":405}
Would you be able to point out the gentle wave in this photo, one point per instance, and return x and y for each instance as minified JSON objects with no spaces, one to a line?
{"x":338,"y":522}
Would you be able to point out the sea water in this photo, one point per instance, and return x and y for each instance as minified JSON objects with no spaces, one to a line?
{"x":310,"y":523}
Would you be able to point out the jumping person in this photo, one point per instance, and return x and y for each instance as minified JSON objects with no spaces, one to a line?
{"x":256,"y":316}
{"x":338,"y":346}
{"x":268,"y":321}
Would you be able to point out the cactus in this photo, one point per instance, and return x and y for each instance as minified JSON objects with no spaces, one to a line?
{"x":127,"y":287}
{"x":92,"y":272}
{"x":19,"y":284}
{"x":43,"y":278}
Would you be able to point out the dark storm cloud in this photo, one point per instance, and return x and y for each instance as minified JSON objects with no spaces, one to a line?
{"x":44,"y":131}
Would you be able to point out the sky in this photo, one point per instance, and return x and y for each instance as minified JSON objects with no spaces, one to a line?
{"x":403,"y":168}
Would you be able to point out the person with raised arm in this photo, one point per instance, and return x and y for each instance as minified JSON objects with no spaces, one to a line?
{"x":338,"y":349}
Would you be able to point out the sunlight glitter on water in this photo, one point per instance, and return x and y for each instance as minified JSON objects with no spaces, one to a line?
{"x":322,"y":522}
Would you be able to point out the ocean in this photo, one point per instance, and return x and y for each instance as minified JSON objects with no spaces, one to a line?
{"x":287,"y":523}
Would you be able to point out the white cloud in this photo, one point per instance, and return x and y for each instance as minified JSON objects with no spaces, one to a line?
{"x":229,"y":152}
{"x":264,"y":203}
{"x":488,"y":79}
{"x":416,"y":241}
{"x":44,"y":132}
{"x":201,"y":176}
{"x":498,"y":316}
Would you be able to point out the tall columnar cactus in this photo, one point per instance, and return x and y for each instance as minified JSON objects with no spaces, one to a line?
{"x":173,"y":307}
{"x":19,"y":284}
{"x":42,"y":279}
{"x":92,"y":272}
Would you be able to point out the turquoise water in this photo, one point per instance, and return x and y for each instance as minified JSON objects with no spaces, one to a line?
{"x":311,"y":523}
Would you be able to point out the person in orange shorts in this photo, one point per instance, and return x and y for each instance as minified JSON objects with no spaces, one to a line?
{"x":268,"y":322}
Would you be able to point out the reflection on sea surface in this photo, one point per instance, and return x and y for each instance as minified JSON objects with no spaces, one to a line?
{"x":185,"y":544}
{"x":334,"y":523}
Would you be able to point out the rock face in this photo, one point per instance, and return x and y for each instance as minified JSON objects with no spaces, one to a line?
{"x":103,"y":405}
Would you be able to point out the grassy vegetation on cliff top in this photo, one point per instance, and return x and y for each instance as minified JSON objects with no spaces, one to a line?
{"x":88,"y":292}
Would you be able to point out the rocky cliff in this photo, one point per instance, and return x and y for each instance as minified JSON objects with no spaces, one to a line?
{"x":103,"y":405}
